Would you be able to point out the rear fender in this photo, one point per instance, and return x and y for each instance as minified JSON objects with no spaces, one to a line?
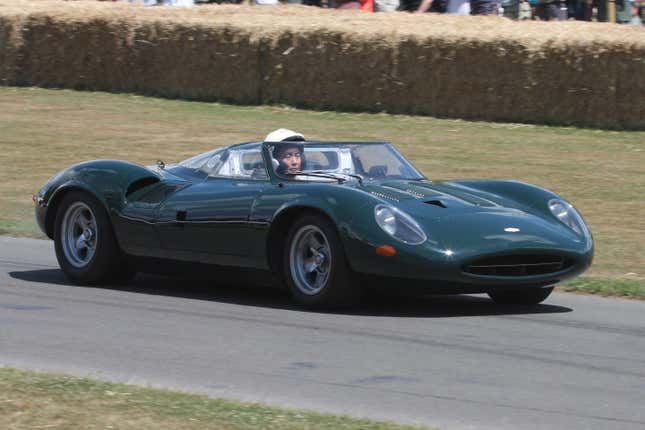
{"x":107,"y":180}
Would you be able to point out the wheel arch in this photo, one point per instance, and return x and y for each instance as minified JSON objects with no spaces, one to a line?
{"x":277,"y":237}
{"x":57,"y":197}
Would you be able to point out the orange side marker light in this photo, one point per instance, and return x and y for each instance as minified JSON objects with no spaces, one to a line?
{"x":386,"y":250}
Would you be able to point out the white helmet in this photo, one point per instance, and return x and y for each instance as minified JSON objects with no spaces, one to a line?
{"x":283,"y":134}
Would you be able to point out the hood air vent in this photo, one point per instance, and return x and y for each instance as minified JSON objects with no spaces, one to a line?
{"x":384,"y":196}
{"x":436,"y":203}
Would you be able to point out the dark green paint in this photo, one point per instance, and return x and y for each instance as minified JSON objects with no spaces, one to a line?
{"x":187,"y":216}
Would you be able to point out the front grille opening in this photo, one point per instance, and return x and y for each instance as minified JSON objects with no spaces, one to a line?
{"x":518,"y":265}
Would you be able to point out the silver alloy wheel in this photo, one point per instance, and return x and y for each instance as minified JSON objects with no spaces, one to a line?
{"x":79,"y":234}
{"x":310,"y":260}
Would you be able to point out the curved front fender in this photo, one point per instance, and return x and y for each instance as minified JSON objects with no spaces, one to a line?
{"x":529,"y":197}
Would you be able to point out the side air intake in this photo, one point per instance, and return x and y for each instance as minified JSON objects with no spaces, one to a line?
{"x":141,"y":183}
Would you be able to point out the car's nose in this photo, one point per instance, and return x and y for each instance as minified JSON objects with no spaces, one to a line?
{"x":499,"y":230}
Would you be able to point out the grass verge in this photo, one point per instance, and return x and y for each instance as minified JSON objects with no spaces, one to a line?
{"x":31,"y":400}
{"x":621,"y":287}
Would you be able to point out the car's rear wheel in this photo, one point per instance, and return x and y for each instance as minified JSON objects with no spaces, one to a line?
{"x":530,"y":296}
{"x":315,"y":267}
{"x":86,"y":248}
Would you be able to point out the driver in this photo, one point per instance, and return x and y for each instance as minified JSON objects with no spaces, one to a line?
{"x":289,"y":153}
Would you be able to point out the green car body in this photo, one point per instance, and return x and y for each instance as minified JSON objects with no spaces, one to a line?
{"x":481,"y":235}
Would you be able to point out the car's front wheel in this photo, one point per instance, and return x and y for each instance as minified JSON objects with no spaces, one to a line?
{"x":86,"y":248}
{"x":527,"y":296}
{"x":315,"y":267}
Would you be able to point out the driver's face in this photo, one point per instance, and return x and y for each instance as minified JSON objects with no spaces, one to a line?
{"x":291,"y":158}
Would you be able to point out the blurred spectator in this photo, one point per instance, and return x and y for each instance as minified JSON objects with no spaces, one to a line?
{"x":623,"y":11}
{"x":524,"y":11}
{"x":438,"y":6}
{"x":550,"y":10}
{"x":638,"y":8}
{"x":409,"y":5}
{"x":484,"y":7}
{"x":386,"y":5}
{"x":581,"y":10}
{"x":510,"y":9}
{"x":459,"y":7}
{"x":366,"y":5}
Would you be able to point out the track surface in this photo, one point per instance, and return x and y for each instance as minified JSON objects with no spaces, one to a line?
{"x":575,"y":362}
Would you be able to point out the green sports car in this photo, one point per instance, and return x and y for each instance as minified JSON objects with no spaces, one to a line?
{"x":327,"y":219}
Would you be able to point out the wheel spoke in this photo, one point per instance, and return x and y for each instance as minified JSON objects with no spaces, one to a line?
{"x":311,"y":277}
{"x":310,"y":265}
{"x":85,"y":221}
{"x":315,"y":242}
{"x":319,"y":280}
{"x":80,"y":243}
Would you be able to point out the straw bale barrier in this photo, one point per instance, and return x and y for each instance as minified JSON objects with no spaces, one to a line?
{"x":588,"y":74}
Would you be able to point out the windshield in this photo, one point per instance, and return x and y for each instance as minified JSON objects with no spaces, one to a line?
{"x":329,"y":161}
{"x":239,"y":161}
{"x":204,"y":162}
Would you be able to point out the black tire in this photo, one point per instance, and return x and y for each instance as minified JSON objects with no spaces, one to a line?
{"x":337,"y":287}
{"x":98,"y":259}
{"x":522,"y":296}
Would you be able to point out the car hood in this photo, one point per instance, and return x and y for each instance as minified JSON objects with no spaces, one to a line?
{"x":460,"y":218}
{"x":435,"y":199}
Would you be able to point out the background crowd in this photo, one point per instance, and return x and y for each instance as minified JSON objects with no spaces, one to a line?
{"x":626,"y":11}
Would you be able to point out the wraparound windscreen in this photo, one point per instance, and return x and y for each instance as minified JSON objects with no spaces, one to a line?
{"x":364,"y":160}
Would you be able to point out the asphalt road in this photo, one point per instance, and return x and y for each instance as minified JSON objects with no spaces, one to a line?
{"x":575,"y":362}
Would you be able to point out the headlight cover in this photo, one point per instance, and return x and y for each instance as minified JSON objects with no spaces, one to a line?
{"x":567,"y":214}
{"x":399,"y":225}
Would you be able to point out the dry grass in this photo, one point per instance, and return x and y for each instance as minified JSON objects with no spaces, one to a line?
{"x":469,"y":67}
{"x":35,"y":400}
{"x":42,"y":131}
